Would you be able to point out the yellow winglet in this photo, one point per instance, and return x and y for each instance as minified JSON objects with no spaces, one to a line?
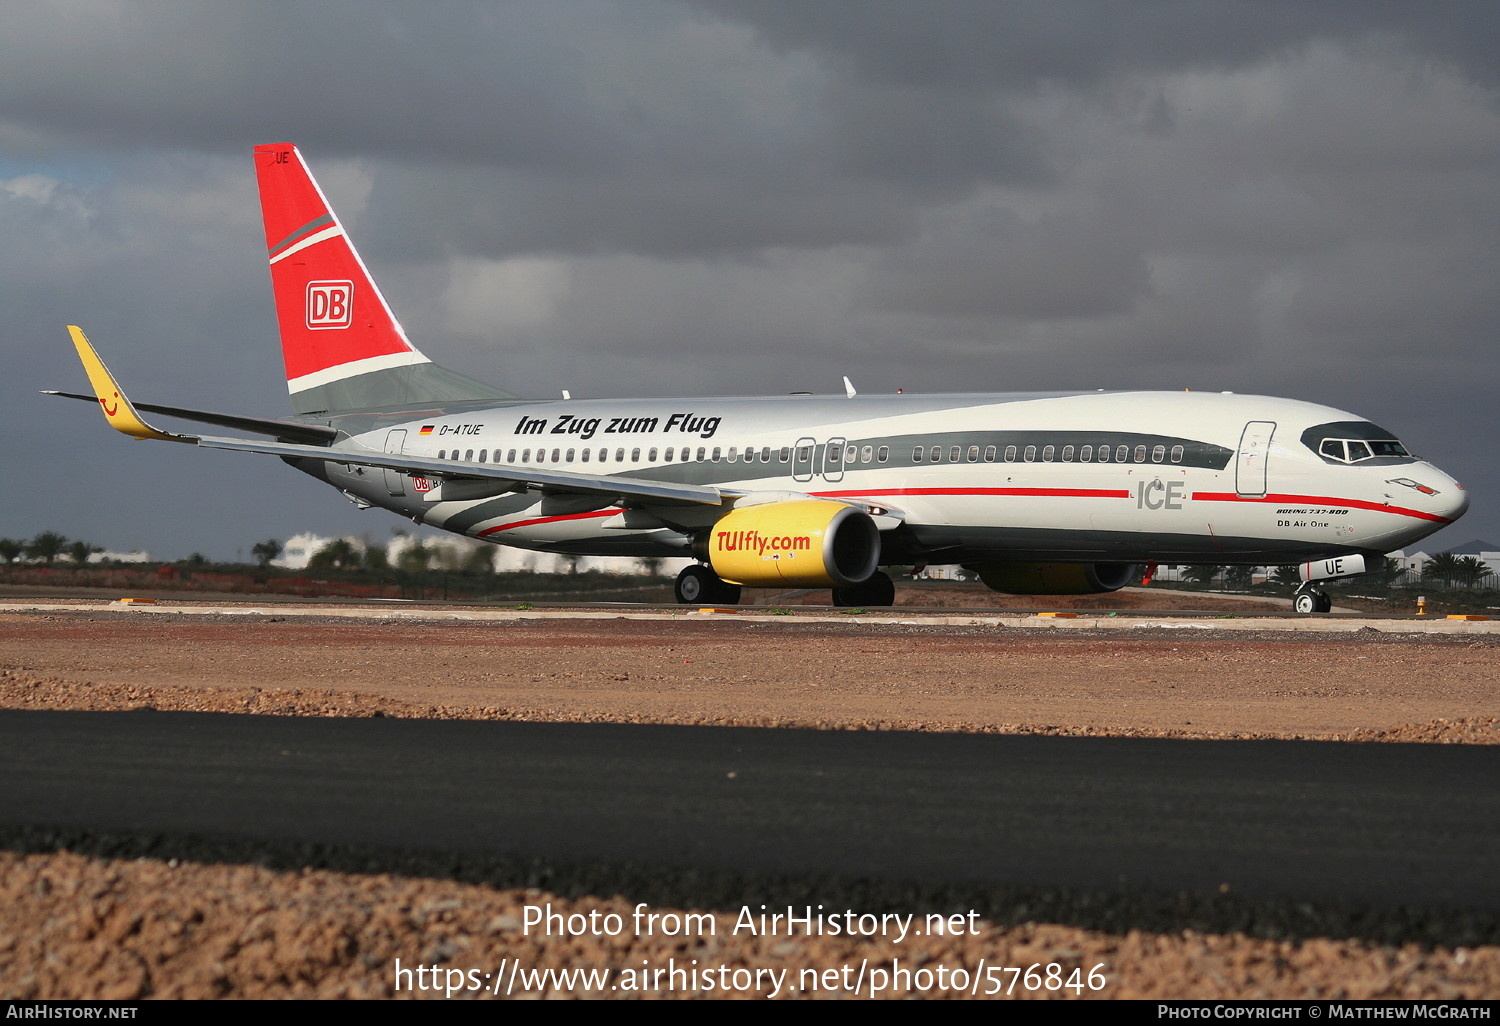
{"x":117,"y":408}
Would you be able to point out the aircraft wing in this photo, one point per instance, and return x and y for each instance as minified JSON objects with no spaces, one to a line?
{"x":125,"y":417}
{"x":289,"y":430}
{"x":522,"y":477}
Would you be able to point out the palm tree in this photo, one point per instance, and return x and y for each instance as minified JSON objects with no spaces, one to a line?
{"x":46,"y":546}
{"x":1203,"y":574}
{"x":414,"y":558}
{"x":339,"y":554}
{"x":80,"y":551}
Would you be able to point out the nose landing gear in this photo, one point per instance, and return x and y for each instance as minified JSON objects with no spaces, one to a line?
{"x":1309,"y":600}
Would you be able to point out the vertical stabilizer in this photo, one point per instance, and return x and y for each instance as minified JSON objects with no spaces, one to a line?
{"x":343,"y":348}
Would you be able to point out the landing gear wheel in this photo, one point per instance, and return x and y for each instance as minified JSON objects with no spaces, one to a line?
{"x":1308,"y":600}
{"x":879,"y":590}
{"x":698,"y":585}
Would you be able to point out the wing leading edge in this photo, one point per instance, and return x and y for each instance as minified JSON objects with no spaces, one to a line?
{"x":122,"y":415}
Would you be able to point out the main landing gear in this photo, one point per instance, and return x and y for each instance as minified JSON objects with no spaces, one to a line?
{"x":1309,"y":600}
{"x":698,"y":585}
{"x":879,"y":590}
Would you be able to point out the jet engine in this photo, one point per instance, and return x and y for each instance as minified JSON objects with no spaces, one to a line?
{"x":1056,"y":578}
{"x":803,"y":542}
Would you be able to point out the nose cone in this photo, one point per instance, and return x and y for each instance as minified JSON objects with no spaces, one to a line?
{"x":1451,"y":500}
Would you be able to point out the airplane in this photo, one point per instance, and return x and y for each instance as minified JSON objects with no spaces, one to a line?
{"x":1041,"y":493}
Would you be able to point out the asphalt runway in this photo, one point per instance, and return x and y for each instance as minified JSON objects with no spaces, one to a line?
{"x":1383,"y":825}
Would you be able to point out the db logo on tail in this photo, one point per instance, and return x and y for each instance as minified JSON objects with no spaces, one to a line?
{"x":330,"y":304}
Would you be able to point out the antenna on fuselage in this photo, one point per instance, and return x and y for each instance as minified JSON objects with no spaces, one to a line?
{"x":849,"y":387}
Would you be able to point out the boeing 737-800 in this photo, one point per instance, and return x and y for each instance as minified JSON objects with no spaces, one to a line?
{"x":1039,"y":492}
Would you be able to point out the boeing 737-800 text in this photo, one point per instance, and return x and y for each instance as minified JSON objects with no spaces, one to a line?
{"x":1040,"y":492}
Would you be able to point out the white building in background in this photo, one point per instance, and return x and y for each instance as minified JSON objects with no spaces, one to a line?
{"x":138,"y":556}
{"x":452,"y":552}
{"x":1486,"y":552}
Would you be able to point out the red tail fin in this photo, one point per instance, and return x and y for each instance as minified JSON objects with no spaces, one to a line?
{"x":342,"y":345}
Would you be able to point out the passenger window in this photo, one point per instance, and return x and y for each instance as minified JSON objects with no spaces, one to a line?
{"x":1176,"y":454}
{"x":635,"y":455}
{"x":619,"y":455}
{"x":1140,"y":454}
{"x":510,"y":457}
{"x":687,"y":454}
{"x":1158,"y":453}
{"x":701,"y":453}
{"x":667,"y":454}
{"x":1067,"y":454}
{"x":556,"y":455}
{"x":1122,"y":453}
{"x":883,"y":453}
{"x":571,"y":454}
{"x":715,"y":457}
{"x":804,"y":454}
{"x":603,"y":455}
{"x":442,"y":454}
{"x":1103,"y":454}
{"x":733,"y":456}
{"x":651,"y":456}
{"x":585,"y":454}
{"x":483,"y":453}
{"x":954,"y":453}
{"x":786,"y":454}
{"x":1010,"y":454}
{"x":1086,"y":454}
{"x":1047,"y":454}
{"x":526,"y":456}
{"x":917,"y":454}
{"x":973,"y":454}
{"x":765,"y":454}
{"x":989,"y":454}
{"x":834,"y":453}
{"x":1031,"y":454}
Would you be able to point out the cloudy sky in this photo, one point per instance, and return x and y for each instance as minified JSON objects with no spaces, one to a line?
{"x":665,"y":197}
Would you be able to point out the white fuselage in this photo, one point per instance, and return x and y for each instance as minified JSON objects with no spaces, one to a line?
{"x":1120,"y":476}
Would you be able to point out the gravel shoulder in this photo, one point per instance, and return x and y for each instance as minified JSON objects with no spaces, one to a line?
{"x":81,"y":919}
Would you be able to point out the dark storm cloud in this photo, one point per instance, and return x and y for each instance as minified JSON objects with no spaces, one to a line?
{"x":730,"y":196}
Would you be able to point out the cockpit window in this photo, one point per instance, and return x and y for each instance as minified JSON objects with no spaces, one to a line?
{"x":1354,"y":441}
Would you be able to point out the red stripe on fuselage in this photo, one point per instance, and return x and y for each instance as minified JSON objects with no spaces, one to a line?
{"x":1320,"y":500}
{"x":548,"y":520}
{"x":1071,"y":493}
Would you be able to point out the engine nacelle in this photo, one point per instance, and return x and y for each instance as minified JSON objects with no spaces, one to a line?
{"x":1056,"y":578}
{"x":804,"y":542}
